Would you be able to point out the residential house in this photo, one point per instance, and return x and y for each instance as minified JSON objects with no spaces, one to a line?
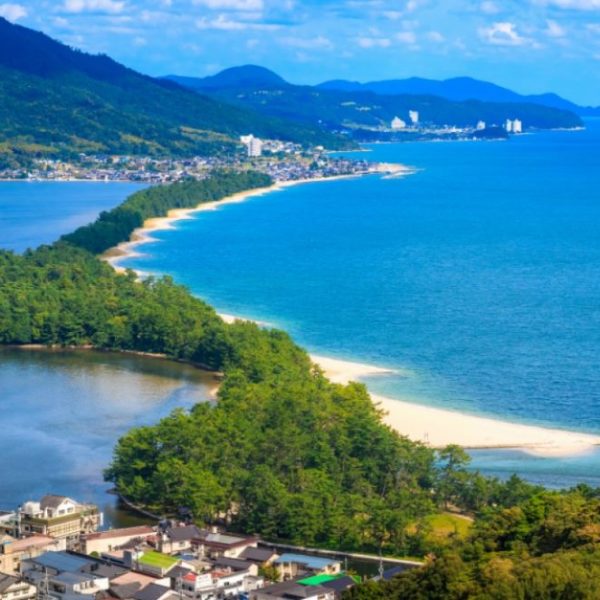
{"x":292,"y":565}
{"x":214,"y":544}
{"x":13,"y":551}
{"x":177,"y":539}
{"x":259,"y":556}
{"x":292,"y":590}
{"x":58,"y":517}
{"x":15,"y":588}
{"x":113,"y":539}
{"x":62,"y":575}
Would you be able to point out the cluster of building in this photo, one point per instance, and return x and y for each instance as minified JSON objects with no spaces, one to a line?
{"x":398,"y":123}
{"x":513,"y":126}
{"x":283,"y":161}
{"x":52,"y":550}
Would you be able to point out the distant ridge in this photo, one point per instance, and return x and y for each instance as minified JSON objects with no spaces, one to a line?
{"x":361,"y":113}
{"x":242,"y":76}
{"x":459,"y":89}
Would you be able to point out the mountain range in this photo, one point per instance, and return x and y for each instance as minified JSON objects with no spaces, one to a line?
{"x":459,"y":89}
{"x":357,"y":111}
{"x":57,"y":101}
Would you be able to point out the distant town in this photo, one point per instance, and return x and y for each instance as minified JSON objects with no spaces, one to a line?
{"x":283,"y":161}
{"x":54,"y":549}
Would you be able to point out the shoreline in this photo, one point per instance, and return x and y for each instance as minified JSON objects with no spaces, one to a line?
{"x":435,"y":427}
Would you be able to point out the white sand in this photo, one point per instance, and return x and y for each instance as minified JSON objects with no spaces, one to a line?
{"x":433,"y":426}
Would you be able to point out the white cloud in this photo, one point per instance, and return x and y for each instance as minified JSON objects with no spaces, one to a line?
{"x":406,"y":37}
{"x":571,"y":4}
{"x":224,"y":23}
{"x":242,"y":5}
{"x":593,"y":28}
{"x":489,"y":8}
{"x":106,"y":6}
{"x":554,"y":30}
{"x":370,"y":42}
{"x":12,"y":12}
{"x":435,"y":36}
{"x":139,"y":41}
{"x":502,"y":34}
{"x":316,"y":42}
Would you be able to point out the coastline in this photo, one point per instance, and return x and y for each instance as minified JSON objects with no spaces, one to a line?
{"x":433,"y":426}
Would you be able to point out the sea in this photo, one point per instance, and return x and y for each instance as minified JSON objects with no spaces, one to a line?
{"x":476,"y":280}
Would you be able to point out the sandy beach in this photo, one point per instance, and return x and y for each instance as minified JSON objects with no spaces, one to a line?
{"x":435,"y":427}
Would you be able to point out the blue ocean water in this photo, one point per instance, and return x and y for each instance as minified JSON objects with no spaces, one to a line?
{"x":38,"y":212}
{"x":477,"y":279}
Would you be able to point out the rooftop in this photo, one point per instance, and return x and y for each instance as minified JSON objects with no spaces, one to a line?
{"x":124,"y":532}
{"x":312,"y":562}
{"x":61,"y":561}
{"x":156,"y":559}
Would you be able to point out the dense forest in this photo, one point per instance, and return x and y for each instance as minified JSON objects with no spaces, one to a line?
{"x":116,"y":225}
{"x":283,"y":451}
{"x":57,"y":102}
{"x":546,"y":547}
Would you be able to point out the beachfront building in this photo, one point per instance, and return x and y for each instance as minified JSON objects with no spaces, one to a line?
{"x":398,"y":123}
{"x":480,"y":125}
{"x":58,"y":517}
{"x":413,"y":115}
{"x":517,"y":126}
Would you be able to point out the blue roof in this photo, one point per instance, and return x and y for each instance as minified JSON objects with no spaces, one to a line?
{"x":61,"y":561}
{"x":312,"y":562}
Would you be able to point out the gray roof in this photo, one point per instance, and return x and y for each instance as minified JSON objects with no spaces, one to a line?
{"x":126,"y":590}
{"x":6,"y":581}
{"x":234,"y":563}
{"x":52,"y":501}
{"x":292,"y":590}
{"x":153,"y":591}
{"x":73,"y":578}
{"x":339,"y":585}
{"x":182,"y":534}
{"x":259,"y":555}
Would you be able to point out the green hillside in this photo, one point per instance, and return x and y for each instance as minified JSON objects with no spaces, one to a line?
{"x":355,"y":110}
{"x":57,"y":101}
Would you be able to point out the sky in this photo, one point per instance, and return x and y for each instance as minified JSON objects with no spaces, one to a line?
{"x":531,"y":46}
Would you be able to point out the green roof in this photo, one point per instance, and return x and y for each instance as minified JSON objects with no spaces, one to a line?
{"x":320,"y":579}
{"x":156,"y":559}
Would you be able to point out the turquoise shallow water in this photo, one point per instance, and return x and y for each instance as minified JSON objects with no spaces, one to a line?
{"x":478,"y":278}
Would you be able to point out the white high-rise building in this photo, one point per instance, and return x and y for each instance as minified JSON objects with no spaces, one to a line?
{"x":508,"y":126}
{"x":413,"y":116}
{"x":253,"y":145}
{"x":480,"y":125}
{"x":517,"y":126}
{"x":398,"y":123}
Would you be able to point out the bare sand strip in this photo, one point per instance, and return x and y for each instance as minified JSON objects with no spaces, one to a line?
{"x":435,"y":427}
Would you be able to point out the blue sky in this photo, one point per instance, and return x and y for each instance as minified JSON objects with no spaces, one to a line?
{"x":528,"y":45}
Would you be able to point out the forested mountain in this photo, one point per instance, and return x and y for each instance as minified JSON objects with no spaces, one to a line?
{"x":55,"y":100}
{"x":353,"y":110}
{"x":458,"y":89}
